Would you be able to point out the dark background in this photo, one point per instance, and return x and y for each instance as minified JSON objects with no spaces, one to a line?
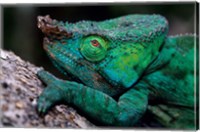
{"x":21,"y":35}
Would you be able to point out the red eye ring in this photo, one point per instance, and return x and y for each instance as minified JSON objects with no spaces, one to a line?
{"x":95,"y":43}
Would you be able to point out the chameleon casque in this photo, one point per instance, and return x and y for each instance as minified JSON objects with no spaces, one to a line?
{"x":122,"y":65}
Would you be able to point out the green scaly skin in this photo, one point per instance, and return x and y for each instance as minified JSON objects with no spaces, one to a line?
{"x":124,"y":64}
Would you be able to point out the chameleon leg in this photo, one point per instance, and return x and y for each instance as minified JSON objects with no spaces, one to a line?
{"x":99,"y":106}
{"x":51,"y":94}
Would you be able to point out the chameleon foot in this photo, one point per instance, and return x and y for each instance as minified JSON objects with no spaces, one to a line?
{"x":51,"y":94}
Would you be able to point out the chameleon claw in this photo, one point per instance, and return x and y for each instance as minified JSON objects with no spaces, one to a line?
{"x":43,"y":104}
{"x":44,"y":110}
{"x":39,"y":110}
{"x":49,"y":96}
{"x":42,"y":107}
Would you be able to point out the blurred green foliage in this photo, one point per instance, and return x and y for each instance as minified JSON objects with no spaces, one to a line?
{"x":21,"y":35}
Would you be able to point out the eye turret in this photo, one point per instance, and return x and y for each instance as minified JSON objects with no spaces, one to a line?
{"x":94,"y":48}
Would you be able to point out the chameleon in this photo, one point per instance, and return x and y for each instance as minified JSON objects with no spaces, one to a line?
{"x":120,"y":67}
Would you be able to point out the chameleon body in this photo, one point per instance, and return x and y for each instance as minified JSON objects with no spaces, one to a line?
{"x":123,"y":65}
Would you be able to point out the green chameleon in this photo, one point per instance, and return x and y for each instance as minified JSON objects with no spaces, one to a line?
{"x":122,"y":67}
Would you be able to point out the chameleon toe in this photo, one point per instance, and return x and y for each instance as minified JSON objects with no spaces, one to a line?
{"x":43,"y":105}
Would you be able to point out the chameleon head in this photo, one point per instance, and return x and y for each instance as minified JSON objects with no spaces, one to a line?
{"x":110,"y":53}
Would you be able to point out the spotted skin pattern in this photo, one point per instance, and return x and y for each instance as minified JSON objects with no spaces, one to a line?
{"x":139,"y":64}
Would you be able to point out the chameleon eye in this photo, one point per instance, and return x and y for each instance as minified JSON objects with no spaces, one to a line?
{"x":93,"y":48}
{"x":95,"y":43}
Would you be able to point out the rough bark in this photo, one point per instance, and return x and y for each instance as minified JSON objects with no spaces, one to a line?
{"x":20,"y":88}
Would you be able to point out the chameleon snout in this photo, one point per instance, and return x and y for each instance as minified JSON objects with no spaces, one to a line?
{"x":52,"y":28}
